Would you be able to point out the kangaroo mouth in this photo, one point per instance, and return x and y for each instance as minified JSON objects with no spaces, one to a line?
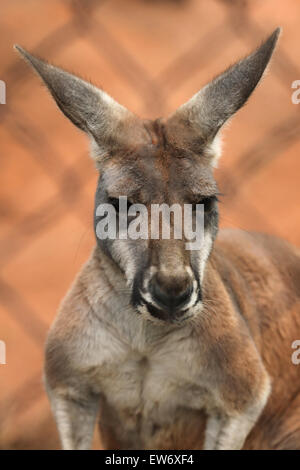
{"x":166,"y":315}
{"x":177,"y":316}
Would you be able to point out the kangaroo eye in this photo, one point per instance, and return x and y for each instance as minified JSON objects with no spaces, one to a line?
{"x":208,"y":202}
{"x":114,"y":201}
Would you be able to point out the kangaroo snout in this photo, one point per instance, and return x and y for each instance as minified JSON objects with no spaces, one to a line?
{"x":171,"y":293}
{"x":170,"y":297}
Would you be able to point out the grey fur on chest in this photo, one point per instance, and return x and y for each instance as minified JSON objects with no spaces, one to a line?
{"x":148,"y":379}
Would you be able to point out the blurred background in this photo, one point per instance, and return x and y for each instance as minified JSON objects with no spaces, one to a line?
{"x":151,"y":56}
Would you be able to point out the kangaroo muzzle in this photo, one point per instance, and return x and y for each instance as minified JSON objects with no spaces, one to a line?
{"x":168,"y":296}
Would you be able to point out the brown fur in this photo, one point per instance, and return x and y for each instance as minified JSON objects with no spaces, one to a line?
{"x":250,"y":270}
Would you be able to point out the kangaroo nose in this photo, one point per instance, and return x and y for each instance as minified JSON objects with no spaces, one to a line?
{"x":171,"y":294}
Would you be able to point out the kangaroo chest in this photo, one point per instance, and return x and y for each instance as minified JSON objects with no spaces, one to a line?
{"x":151,"y":397}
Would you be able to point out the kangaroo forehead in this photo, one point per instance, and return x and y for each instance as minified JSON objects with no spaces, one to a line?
{"x":155,"y":170}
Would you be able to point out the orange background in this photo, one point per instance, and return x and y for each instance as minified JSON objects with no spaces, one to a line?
{"x":151,"y":56}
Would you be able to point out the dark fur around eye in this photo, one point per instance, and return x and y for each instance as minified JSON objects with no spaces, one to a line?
{"x":115,"y":202}
{"x":208,"y":202}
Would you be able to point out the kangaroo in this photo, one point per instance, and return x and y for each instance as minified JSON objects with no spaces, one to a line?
{"x":172,"y":348}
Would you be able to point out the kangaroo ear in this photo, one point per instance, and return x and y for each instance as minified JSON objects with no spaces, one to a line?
{"x":208,"y":110}
{"x":88,"y":107}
